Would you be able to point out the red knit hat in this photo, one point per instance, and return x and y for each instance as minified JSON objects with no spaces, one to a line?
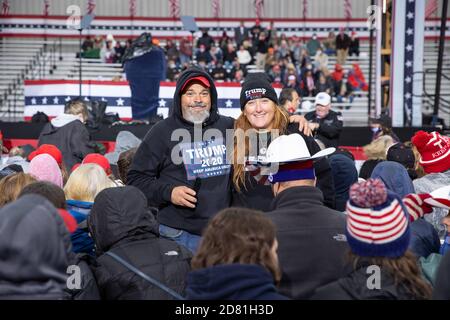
{"x":49,"y":149}
{"x":100,"y":160}
{"x":434,"y":151}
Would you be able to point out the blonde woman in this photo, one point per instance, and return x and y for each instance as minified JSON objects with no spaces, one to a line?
{"x":376,"y":152}
{"x":12,"y":185}
{"x":83,"y":185}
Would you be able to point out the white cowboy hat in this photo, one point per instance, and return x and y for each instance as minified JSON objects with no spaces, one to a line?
{"x":292,"y":148}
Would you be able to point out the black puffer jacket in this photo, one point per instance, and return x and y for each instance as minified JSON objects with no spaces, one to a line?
{"x":355,"y":286}
{"x":33,"y":250}
{"x":120,"y":223}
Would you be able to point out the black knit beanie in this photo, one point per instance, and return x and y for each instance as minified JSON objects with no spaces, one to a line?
{"x":257,"y":86}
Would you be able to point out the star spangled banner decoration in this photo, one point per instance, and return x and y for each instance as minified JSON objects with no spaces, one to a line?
{"x":409,"y":59}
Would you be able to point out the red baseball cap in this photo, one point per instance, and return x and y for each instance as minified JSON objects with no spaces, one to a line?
{"x":49,"y":149}
{"x":200,"y":79}
{"x":75,"y":166}
{"x":100,"y":160}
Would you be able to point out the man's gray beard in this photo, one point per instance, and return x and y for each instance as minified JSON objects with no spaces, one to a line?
{"x":196,"y":117}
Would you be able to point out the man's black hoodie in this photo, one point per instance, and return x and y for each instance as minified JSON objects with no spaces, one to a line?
{"x":154,"y":172}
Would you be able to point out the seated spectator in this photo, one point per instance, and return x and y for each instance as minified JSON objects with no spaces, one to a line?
{"x":171,"y":51}
{"x":34,"y":249}
{"x":243,"y":56}
{"x":442,"y":289}
{"x":293,"y":84}
{"x":382,"y":126}
{"x":356,"y":79}
{"x":321,"y":61}
{"x":229,"y":55}
{"x":88,"y":44}
{"x":244,"y":265}
{"x":203,"y":54}
{"x":185,"y":50}
{"x":119,"y":51}
{"x":68,"y":133}
{"x":81,"y":189}
{"x":270,"y":60}
{"x":344,"y":175}
{"x":289,"y":100}
{"x":404,"y":155}
{"x":56,"y":154}
{"x":354,"y":44}
{"x":275,"y":74}
{"x":18,"y":156}
{"x":296,"y":49}
{"x":219,"y":73}
{"x":424,"y":239}
{"x":216,"y":54}
{"x":205,"y":40}
{"x":337,"y":77}
{"x":108,"y":53}
{"x":282,"y":51}
{"x":324,"y":84}
{"x":376,"y":153}
{"x":44,"y":168}
{"x":307,"y":85}
{"x":120,"y":223}
{"x":124,"y":163}
{"x":172,"y":70}
{"x":400,"y":276}
{"x":12,"y":185}
{"x":313,"y":45}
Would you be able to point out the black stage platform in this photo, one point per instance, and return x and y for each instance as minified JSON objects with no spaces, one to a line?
{"x":350,"y":136}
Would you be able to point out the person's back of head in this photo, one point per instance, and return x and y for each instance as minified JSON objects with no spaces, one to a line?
{"x":34,"y":246}
{"x":48,"y":190}
{"x":377,"y":149}
{"x":12,"y":185}
{"x":124,"y":163}
{"x":86,"y":182}
{"x":77,"y":108}
{"x":238,"y":235}
{"x":372,"y":206}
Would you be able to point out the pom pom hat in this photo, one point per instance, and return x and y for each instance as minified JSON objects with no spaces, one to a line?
{"x":377,"y":221}
{"x":434,"y":151}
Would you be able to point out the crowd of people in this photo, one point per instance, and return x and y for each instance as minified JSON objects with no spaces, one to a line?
{"x":265,"y":206}
{"x":290,"y":62}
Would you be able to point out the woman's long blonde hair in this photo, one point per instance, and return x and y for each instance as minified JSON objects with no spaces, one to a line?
{"x":377,"y":149}
{"x":86,"y":182}
{"x":242,"y":146}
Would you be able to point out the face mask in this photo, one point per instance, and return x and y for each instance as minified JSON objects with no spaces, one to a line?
{"x":314,"y":38}
{"x":375,"y":130}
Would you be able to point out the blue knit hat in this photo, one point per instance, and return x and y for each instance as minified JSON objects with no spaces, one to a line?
{"x":377,"y":221}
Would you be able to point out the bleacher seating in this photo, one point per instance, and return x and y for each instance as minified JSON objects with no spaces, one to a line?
{"x":32,"y":59}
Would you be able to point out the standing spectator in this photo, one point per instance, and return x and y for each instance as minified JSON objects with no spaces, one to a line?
{"x":68,"y":133}
{"x":296,"y":49}
{"x":229,"y":56}
{"x":329,"y":44}
{"x":244,"y":265}
{"x":325,"y":123}
{"x":119,"y":51}
{"x":434,"y":150}
{"x":313,"y":45}
{"x":337,"y":77}
{"x":241,"y":33}
{"x":224,"y":41}
{"x":282,"y":51}
{"x":303,"y":221}
{"x":172,"y":52}
{"x":204,"y":55}
{"x":120,"y":223}
{"x":342,"y":46}
{"x":205,"y":40}
{"x":354,"y":44}
{"x":273,"y":34}
{"x":186,"y":199}
{"x":370,"y":206}
{"x":262,"y":45}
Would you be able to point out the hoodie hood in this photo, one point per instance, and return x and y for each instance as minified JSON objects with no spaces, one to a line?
{"x":231,"y":282}
{"x":34,"y":246}
{"x":344,"y":175}
{"x":394,"y":176}
{"x":63,"y":119}
{"x":120,"y":214}
{"x":125,"y":141}
{"x":184,"y":77}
